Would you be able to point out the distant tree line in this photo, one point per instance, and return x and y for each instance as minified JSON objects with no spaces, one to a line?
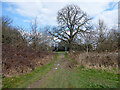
{"x":74,"y":32}
{"x":11,"y":35}
{"x":17,"y":36}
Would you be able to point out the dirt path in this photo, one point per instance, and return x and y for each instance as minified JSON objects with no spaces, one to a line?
{"x":60,"y":63}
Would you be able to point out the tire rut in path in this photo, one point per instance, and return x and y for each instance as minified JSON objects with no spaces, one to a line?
{"x":60,"y":63}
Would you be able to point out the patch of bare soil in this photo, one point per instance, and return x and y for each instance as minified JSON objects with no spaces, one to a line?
{"x":60,"y":63}
{"x":17,"y":60}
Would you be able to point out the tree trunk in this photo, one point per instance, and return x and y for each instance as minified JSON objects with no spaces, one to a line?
{"x":70,"y":47}
{"x":87,"y":49}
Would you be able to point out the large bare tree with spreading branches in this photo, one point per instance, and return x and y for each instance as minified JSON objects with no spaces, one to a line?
{"x":72,"y":21}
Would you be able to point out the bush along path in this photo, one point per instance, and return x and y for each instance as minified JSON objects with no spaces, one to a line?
{"x":64,"y":74}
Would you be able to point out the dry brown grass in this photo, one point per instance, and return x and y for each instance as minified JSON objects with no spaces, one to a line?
{"x":105,"y":60}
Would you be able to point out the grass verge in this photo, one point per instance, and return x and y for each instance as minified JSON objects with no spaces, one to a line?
{"x":82,"y":78}
{"x":23,"y":81}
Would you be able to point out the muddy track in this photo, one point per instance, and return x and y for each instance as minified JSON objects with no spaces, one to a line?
{"x":60,"y":63}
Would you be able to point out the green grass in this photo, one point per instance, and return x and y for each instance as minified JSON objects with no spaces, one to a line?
{"x":0,"y":81}
{"x":60,"y":52}
{"x":82,"y":78}
{"x":66,"y":55}
{"x":23,"y":81}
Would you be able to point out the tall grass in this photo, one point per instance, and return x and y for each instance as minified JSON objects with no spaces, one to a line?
{"x":104,"y":60}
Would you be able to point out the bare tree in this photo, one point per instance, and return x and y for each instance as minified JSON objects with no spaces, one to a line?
{"x":112,"y":39}
{"x":6,"y":21}
{"x":101,"y":32}
{"x":34,"y":35}
{"x":39,"y":40}
{"x":88,"y":38}
{"x":10,"y":34}
{"x":72,"y":21}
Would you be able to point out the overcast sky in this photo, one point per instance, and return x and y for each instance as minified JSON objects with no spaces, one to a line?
{"x":24,"y":11}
